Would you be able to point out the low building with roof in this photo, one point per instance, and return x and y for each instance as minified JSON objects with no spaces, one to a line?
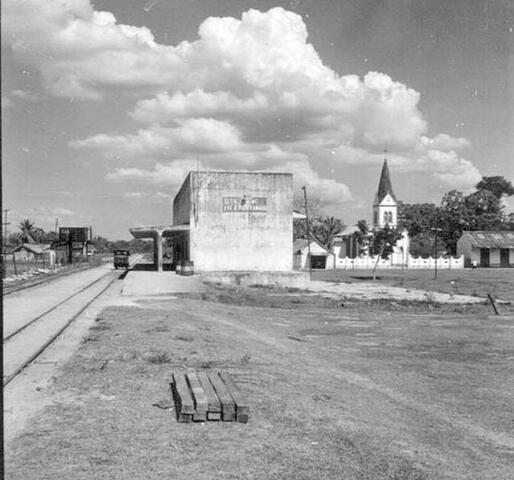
{"x":320,"y":257}
{"x":487,"y":248}
{"x":34,"y":252}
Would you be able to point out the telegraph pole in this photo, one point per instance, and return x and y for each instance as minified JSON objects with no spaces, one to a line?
{"x":308,"y":234}
{"x":5,"y":223}
{"x":436,"y":232}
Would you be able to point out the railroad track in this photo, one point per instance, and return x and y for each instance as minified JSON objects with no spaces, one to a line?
{"x":24,"y":344}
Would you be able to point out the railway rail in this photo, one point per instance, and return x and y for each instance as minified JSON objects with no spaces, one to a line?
{"x":23,"y":345}
{"x":38,"y":281}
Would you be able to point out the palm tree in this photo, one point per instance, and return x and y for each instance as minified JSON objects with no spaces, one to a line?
{"x":29,"y":233}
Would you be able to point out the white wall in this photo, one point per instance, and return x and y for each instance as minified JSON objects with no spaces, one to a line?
{"x":368,"y":262}
{"x":316,"y":250}
{"x":241,"y":240}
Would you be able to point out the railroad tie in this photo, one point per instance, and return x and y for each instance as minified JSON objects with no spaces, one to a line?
{"x":183,"y":399}
{"x":202,"y":396}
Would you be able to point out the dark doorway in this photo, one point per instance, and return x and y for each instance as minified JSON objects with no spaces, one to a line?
{"x":484,"y":257}
{"x":318,"y":261}
{"x":504,"y":257}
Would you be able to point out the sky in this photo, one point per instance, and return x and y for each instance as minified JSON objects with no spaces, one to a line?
{"x":107,"y":104}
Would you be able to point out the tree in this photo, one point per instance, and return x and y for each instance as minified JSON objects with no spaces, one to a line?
{"x":29,"y":233}
{"x":321,"y":229}
{"x":382,"y":244}
{"x":423,"y":245}
{"x":497,"y":185}
{"x":363,"y":237}
{"x":417,"y":217}
{"x":324,"y":228}
{"x":299,"y":228}
{"x":49,"y":237}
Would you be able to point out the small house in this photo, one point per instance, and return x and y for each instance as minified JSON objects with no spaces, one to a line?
{"x":34,"y":252}
{"x":320,"y":257}
{"x":487,"y":248}
{"x":346,"y":242}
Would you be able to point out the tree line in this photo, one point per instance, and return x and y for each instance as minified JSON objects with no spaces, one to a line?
{"x":429,"y":225}
{"x":29,"y":232}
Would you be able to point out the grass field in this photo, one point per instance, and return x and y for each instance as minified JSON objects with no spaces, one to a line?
{"x":364,"y":392}
{"x":499,"y":282}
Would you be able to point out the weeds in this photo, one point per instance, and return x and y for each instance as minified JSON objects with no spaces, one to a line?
{"x":158,"y":359}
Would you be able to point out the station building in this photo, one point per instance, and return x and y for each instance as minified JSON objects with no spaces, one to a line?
{"x":230,"y":221}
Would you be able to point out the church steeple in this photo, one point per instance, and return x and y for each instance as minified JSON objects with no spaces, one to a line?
{"x":385,"y":208}
{"x":385,"y":186}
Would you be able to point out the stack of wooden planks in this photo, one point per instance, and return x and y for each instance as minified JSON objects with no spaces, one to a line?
{"x":213,"y":396}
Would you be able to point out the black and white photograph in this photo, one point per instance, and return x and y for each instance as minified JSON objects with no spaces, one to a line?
{"x":255,"y":239}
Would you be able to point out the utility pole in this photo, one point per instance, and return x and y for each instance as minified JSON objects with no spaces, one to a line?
{"x":308,"y":234}
{"x":5,"y":223}
{"x":4,"y":244}
{"x":436,"y":232}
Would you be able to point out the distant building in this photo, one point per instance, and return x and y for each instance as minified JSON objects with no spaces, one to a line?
{"x":487,"y":248}
{"x":385,"y":207}
{"x":35,"y":252}
{"x":320,"y":257}
{"x":230,"y":221}
{"x":346,"y":244}
{"x":385,"y":213}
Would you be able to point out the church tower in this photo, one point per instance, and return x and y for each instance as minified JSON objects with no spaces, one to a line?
{"x":385,"y":207}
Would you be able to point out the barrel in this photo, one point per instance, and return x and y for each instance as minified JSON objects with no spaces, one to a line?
{"x":187,"y":268}
{"x":178,"y":267}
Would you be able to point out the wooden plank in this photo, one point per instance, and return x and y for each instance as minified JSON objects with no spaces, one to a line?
{"x":213,"y":403}
{"x":199,"y":397}
{"x":228,"y":408}
{"x":184,"y":405}
{"x":242,"y":405}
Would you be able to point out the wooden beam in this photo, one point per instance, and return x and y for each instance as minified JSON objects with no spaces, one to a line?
{"x":199,"y":397}
{"x":242,"y":406}
{"x":213,"y":403}
{"x":184,"y":405}
{"x":228,"y":408}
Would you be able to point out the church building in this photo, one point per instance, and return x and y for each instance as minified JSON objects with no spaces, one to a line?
{"x":384,"y":212}
{"x":385,"y":207}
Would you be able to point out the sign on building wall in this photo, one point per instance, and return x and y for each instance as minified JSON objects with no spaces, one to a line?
{"x":244,"y":204}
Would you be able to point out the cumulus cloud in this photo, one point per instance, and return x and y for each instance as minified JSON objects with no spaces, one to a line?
{"x":191,"y":135}
{"x":25,"y":96}
{"x":63,"y":212}
{"x":7,"y":103}
{"x":171,"y":174}
{"x":247,"y":93}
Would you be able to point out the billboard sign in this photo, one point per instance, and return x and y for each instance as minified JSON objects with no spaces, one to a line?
{"x":74,"y":234}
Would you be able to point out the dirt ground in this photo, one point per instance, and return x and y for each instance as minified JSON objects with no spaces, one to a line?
{"x":367,"y":390}
{"x":499,"y":282}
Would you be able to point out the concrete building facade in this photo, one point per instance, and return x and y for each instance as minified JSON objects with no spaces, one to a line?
{"x":236,"y":221}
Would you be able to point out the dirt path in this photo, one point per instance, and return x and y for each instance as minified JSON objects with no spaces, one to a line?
{"x":358,"y":393}
{"x":368,"y":291}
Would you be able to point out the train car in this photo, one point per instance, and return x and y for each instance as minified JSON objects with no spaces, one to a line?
{"x":121,"y":259}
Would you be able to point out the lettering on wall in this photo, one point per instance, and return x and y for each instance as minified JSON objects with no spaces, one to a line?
{"x":244,"y":204}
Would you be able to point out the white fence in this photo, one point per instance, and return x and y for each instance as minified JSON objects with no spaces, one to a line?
{"x":368,"y":262}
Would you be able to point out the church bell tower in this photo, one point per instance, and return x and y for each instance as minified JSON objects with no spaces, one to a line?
{"x":385,"y":207}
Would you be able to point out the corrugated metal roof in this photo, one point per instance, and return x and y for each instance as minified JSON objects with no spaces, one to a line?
{"x":490,"y":239}
{"x":37,"y":248}
{"x":348,"y":231}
